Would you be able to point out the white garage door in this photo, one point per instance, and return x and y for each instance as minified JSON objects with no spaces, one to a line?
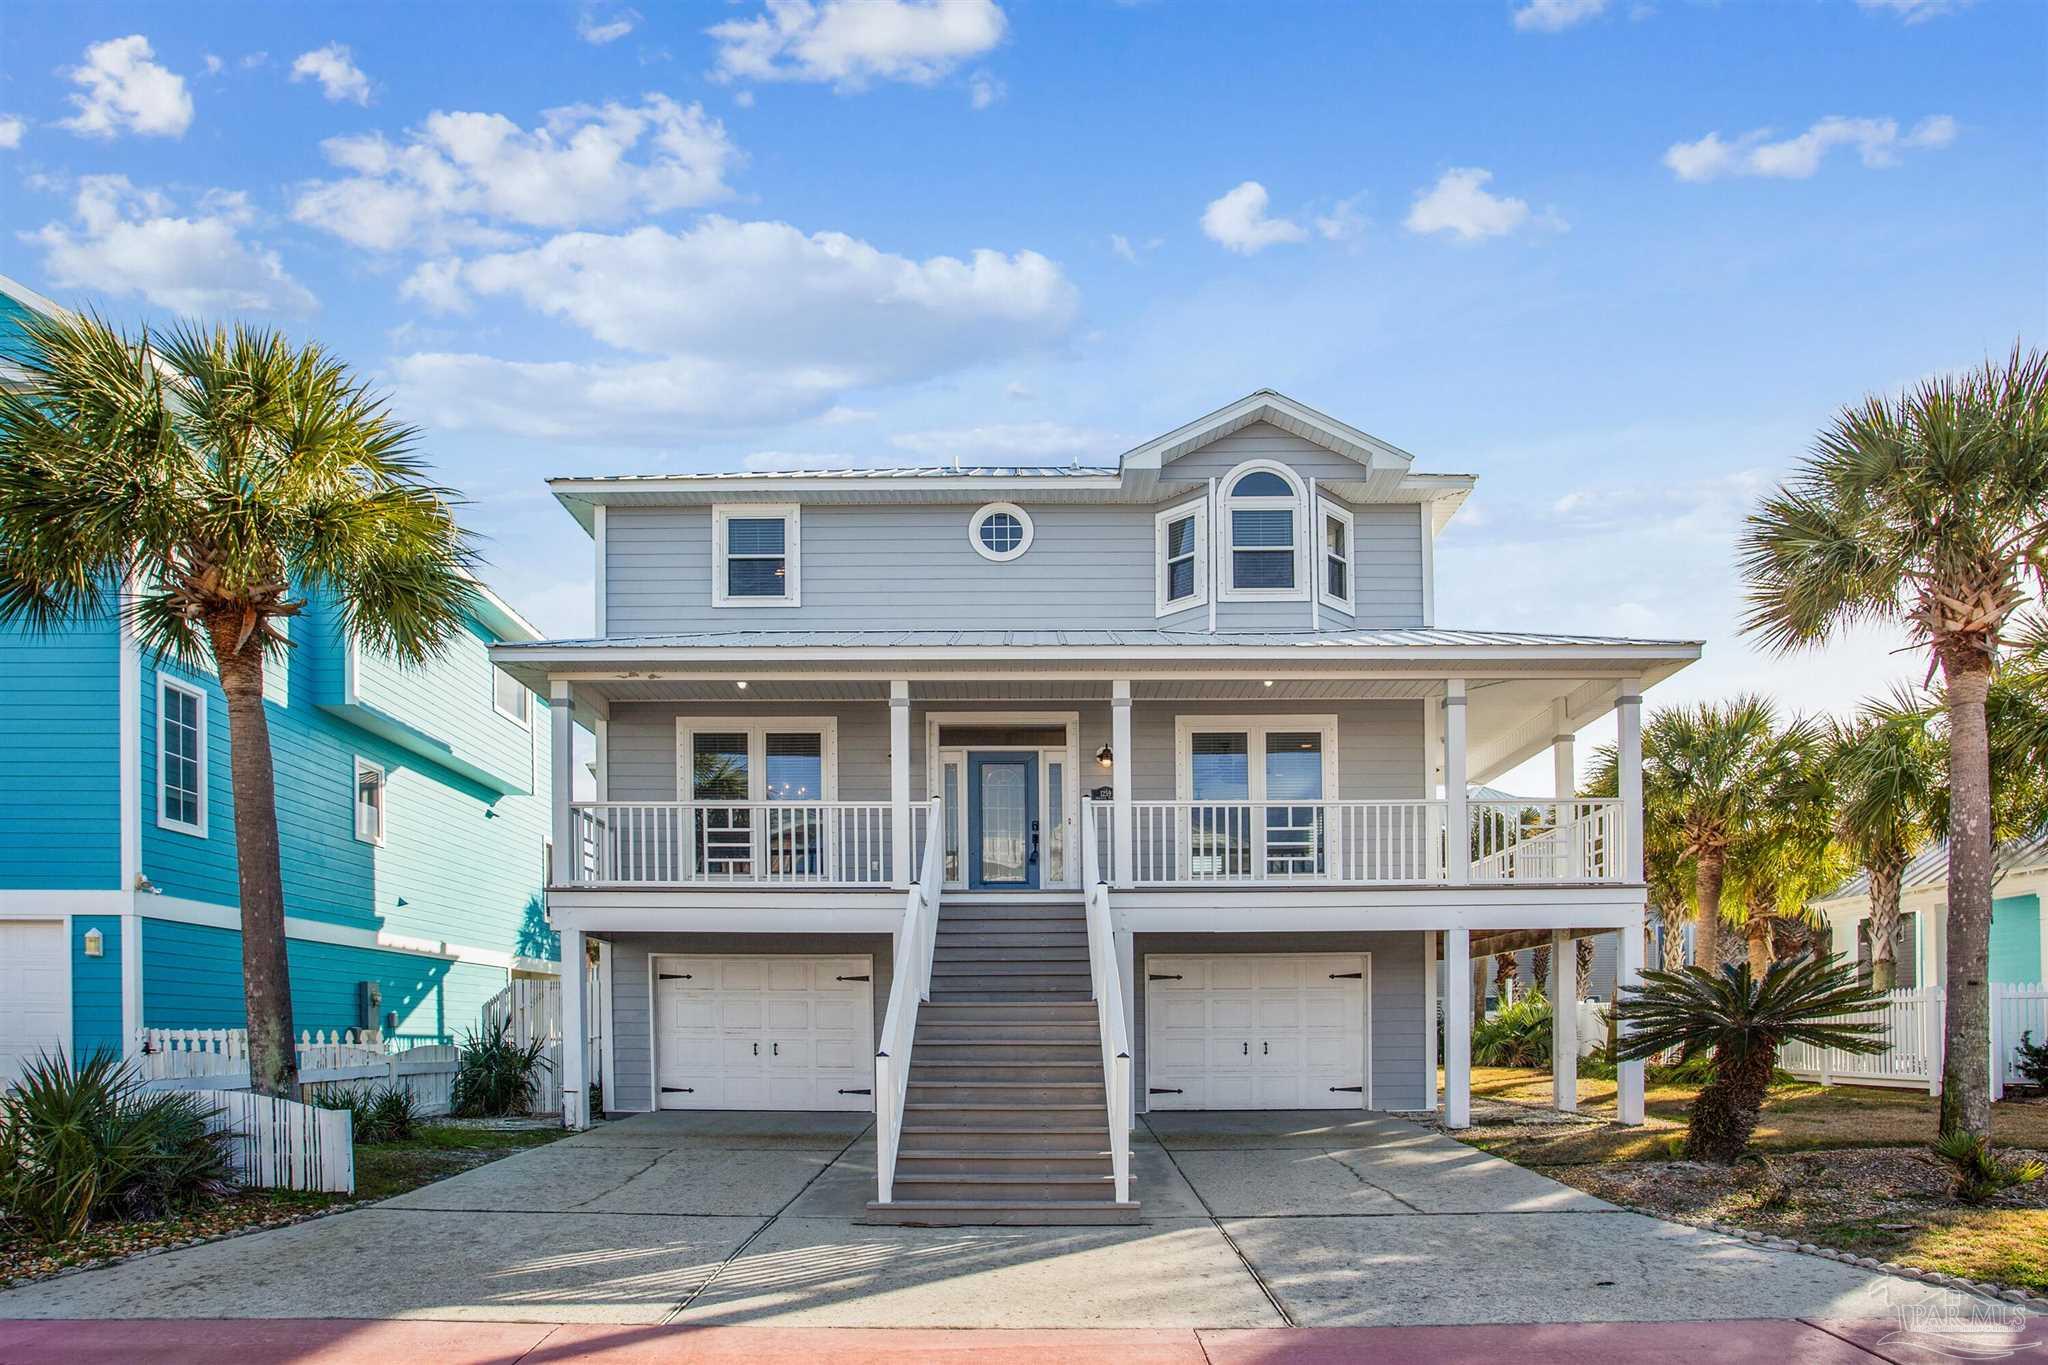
{"x":35,"y":1005}
{"x":764,"y":1032}
{"x":1256,"y":1032}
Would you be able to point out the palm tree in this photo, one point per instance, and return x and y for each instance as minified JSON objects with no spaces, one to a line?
{"x":1931,"y":511}
{"x":195,"y":482}
{"x":1887,"y":775}
{"x":1670,"y":881}
{"x":1786,"y":853}
{"x":1742,"y":1019}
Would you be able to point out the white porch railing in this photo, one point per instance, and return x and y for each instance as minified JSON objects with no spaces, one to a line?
{"x":772,"y":843}
{"x":1545,"y":841}
{"x":1106,"y":981}
{"x":911,"y":985}
{"x":1914,"y":1040}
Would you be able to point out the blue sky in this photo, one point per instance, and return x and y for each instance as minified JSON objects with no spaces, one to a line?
{"x":1620,"y":260}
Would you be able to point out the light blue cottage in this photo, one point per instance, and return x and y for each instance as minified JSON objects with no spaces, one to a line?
{"x":412,"y":811}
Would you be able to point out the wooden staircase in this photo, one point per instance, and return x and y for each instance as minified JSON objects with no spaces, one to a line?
{"x":1005,"y":1120}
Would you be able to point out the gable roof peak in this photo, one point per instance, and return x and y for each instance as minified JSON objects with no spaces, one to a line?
{"x":1274,"y":407}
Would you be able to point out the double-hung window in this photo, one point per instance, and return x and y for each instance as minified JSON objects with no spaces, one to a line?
{"x":181,"y":757}
{"x":756,"y":556}
{"x":1182,"y":543}
{"x":369,"y":802}
{"x":510,"y":697}
{"x":1333,"y":583}
{"x":1262,"y":506}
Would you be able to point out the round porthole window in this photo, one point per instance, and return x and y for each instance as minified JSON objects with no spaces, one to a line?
{"x":1000,"y":531}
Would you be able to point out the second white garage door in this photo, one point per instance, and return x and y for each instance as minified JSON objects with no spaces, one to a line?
{"x":764,"y":1032}
{"x":1283,"y":1031}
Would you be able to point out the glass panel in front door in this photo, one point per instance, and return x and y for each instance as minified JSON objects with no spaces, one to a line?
{"x":1005,"y":822}
{"x":724,"y":834}
{"x":1294,"y":772}
{"x":1219,"y":834}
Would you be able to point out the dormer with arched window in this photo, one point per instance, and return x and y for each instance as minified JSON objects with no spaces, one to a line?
{"x":1262,"y":515}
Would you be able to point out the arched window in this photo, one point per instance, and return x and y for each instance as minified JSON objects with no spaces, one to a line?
{"x":1262,"y":525}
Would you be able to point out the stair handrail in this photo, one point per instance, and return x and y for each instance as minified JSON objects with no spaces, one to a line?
{"x":1106,"y":981}
{"x":911,"y":984}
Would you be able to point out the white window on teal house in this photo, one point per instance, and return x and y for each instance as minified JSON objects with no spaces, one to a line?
{"x":510,"y":697}
{"x":370,"y":793}
{"x":181,"y":758}
{"x":1261,"y":515}
{"x":1181,"y":538}
{"x":756,"y":556}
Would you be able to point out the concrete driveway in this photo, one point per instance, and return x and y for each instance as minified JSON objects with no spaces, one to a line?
{"x":1254,"y":1220}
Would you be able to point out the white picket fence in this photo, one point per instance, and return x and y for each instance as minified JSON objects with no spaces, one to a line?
{"x":218,"y":1059}
{"x":282,"y":1144}
{"x":529,"y":1009}
{"x":1913,"y":1038}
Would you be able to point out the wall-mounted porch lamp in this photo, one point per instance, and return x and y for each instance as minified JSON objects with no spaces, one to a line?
{"x":1104,"y":758}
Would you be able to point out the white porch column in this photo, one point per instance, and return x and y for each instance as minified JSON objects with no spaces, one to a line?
{"x":575,"y":1033}
{"x":1457,"y":1028}
{"x":1120,"y":780}
{"x":568,"y":865}
{"x":899,"y":781}
{"x":1564,"y":764}
{"x":1564,"y":1021}
{"x":1457,"y":825}
{"x":1429,"y":1006}
{"x":1628,"y":971}
{"x":1628,"y":744}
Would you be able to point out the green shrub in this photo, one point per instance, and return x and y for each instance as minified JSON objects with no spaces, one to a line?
{"x":1517,"y":1035}
{"x":383,"y":1113}
{"x":496,"y":1076}
{"x":1981,"y":1173}
{"x":81,"y":1141}
{"x":2033,"y":1061}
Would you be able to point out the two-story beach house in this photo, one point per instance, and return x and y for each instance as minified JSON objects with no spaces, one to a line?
{"x":1009,"y":801}
{"x":412,"y":811}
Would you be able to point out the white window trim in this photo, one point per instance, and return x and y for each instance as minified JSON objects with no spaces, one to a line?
{"x":1327,"y":511}
{"x":1198,"y":509}
{"x":165,"y":683}
{"x":524,"y":722}
{"x":756,"y":729}
{"x":1227,"y":589}
{"x":995,"y":509}
{"x":792,"y":553}
{"x":1255,"y":729}
{"x":355,"y":800}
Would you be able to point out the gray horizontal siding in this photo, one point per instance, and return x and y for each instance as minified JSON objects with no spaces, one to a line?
{"x":1379,"y":743}
{"x":632,"y":1001}
{"x":896,"y":566}
{"x":1396,"y":1010}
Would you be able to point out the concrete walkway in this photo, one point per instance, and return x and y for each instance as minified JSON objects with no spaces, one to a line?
{"x":1254,"y":1221}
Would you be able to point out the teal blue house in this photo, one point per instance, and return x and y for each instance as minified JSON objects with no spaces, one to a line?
{"x":2019,"y":926}
{"x":412,"y":810}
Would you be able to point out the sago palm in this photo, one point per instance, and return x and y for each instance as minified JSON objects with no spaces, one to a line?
{"x":1741,"y":1019}
{"x":1887,"y":779}
{"x":198,"y":482}
{"x":1930,"y":511}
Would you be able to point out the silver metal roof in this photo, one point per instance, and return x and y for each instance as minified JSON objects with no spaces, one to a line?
{"x":1931,"y":867}
{"x":973,"y":471}
{"x":1097,"y":639}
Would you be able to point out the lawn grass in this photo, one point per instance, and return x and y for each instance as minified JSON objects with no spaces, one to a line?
{"x":2005,"y":1246}
{"x":439,"y":1150}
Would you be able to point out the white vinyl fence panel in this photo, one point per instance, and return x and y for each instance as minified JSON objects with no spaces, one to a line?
{"x":1913,"y":1035}
{"x":282,"y":1144}
{"x":218,"y":1059}
{"x":529,"y":1010}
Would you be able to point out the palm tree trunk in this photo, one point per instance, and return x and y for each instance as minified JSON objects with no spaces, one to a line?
{"x":1884,"y":924}
{"x":1758,"y":932}
{"x":1478,"y":991}
{"x":266,"y":976}
{"x":1673,"y":917}
{"x":1966,"y":1072}
{"x":1539,"y":967}
{"x":1706,"y":935}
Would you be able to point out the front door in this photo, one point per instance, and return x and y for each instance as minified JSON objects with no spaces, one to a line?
{"x":1002,"y":821}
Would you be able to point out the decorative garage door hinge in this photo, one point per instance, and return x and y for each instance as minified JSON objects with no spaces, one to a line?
{"x":856,"y":1092}
{"x":853,"y":978}
{"x":1155,"y":976}
{"x":1162,"y":1090}
{"x":1348,"y":1089}
{"x":676,"y":976}
{"x":677,"y":1090}
{"x":1347,"y":976}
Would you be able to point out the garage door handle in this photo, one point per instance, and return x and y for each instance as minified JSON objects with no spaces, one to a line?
{"x":1347,"y":976}
{"x":757,"y":1049}
{"x":1247,"y":1049}
{"x":777,"y":1048}
{"x":1265,"y":1049}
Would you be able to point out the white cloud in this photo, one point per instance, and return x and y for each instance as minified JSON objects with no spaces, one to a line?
{"x":214,"y":65}
{"x":437,"y":285}
{"x":129,"y":241}
{"x":1123,"y":248}
{"x":1343,"y":221}
{"x":121,"y":87}
{"x":744,"y":322}
{"x":851,"y":43}
{"x":597,"y":28}
{"x":340,"y":78}
{"x":459,"y":173}
{"x":255,"y":60}
{"x":769,"y":460}
{"x":1459,"y":203}
{"x":12,"y":130}
{"x":1554,"y":16}
{"x":1023,"y":443}
{"x":1238,"y":221}
{"x":1877,"y":142}
{"x":1914,"y":11}
{"x":984,"y":90}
